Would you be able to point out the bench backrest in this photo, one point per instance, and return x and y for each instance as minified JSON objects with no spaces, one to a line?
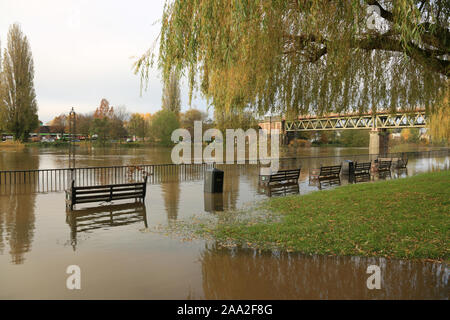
{"x":110,"y":192}
{"x":384,"y":164}
{"x":363,"y":166}
{"x":283,"y":175}
{"x":330,"y":171}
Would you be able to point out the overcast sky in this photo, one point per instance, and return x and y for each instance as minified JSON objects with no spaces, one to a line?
{"x":84,"y":51}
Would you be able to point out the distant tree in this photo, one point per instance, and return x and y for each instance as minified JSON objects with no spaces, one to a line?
{"x":109,"y":123}
{"x":171,"y":99}
{"x":101,"y":128}
{"x":117,"y":122}
{"x":104,"y":110}
{"x":163,"y":124}
{"x":117,"y":128}
{"x":354,"y":138}
{"x":188,"y":118}
{"x":234,"y":119}
{"x":84,"y":124}
{"x":59,"y":124}
{"x":101,"y":124}
{"x":137,"y":126}
{"x":18,"y":98}
{"x":411,"y":135}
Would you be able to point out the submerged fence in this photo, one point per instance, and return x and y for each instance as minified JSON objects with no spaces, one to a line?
{"x":49,"y":180}
{"x":46,"y":180}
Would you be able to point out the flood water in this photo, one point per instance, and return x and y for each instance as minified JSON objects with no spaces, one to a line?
{"x":121,"y":259}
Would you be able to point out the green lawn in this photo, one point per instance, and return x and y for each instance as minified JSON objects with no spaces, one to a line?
{"x":404,"y":218}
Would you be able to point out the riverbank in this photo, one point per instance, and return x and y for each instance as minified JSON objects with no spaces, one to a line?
{"x":405,"y":218}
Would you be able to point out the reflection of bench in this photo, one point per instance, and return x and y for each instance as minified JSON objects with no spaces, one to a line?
{"x":329,"y":182}
{"x":279,"y":189}
{"x":103,"y":217}
{"x":360,"y":168}
{"x":325,"y":173}
{"x":281,"y":176}
{"x":105,"y":193}
{"x":356,"y":178}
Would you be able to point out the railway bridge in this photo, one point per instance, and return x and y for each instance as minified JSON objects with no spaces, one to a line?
{"x":377,"y":123}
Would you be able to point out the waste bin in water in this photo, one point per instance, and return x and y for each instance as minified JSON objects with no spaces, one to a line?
{"x":213,"y":181}
{"x":347,"y":167}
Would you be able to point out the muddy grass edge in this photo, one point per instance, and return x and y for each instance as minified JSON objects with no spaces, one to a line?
{"x":397,"y":219}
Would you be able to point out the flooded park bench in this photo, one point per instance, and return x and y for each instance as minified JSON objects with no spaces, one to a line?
{"x":281,"y":176}
{"x":325,"y":173}
{"x":105,"y":193}
{"x":359,"y":172}
{"x":400,"y":163}
{"x":384,"y":164}
{"x":360,"y":168}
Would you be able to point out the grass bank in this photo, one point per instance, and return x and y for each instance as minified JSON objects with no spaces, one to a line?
{"x":404,"y":218}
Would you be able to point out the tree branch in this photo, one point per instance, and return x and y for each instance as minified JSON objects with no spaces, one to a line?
{"x":424,"y":57}
{"x":383,"y":12}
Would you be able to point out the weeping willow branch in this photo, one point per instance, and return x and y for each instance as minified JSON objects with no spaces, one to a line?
{"x":312,"y":56}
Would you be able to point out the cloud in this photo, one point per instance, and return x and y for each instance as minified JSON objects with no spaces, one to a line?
{"x":82,"y":52}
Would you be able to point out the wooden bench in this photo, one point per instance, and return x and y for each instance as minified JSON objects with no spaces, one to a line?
{"x":384,"y":165}
{"x":360,"y":168}
{"x":325,"y":173}
{"x":281,"y":176}
{"x":105,"y":193}
{"x":401,"y":163}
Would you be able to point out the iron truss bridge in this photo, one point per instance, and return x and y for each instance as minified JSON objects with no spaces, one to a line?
{"x":416,"y":119}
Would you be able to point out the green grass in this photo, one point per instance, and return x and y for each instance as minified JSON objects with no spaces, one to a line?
{"x":404,"y":218}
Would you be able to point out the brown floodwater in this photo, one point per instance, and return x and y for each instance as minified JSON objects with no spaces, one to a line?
{"x":120,"y":258}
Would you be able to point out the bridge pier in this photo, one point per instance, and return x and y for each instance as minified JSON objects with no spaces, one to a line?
{"x":379,"y":140}
{"x":374,"y":142}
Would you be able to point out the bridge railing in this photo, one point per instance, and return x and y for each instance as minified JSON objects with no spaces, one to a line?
{"x":417,"y":119}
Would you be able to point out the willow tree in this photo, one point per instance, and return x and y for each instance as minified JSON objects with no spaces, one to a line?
{"x":439,"y":123}
{"x":307,"y":57}
{"x":18,"y":98}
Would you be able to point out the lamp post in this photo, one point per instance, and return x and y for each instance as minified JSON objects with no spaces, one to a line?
{"x":72,"y":132}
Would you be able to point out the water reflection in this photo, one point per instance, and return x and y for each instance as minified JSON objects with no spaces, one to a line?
{"x":17,"y":225}
{"x":400,"y":173}
{"x":358,"y":178}
{"x":17,"y":220}
{"x":37,"y":221}
{"x":384,"y":175}
{"x":231,"y":187}
{"x":248,"y":274}
{"x":282,"y":189}
{"x":213,"y":202}
{"x":104,"y":217}
{"x":327,"y":183}
{"x":171,"y":194}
